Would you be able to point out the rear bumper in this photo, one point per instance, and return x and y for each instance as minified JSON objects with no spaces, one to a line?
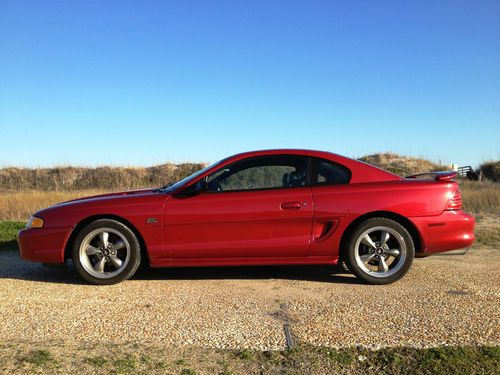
{"x":43,"y":245}
{"x":449,"y":231}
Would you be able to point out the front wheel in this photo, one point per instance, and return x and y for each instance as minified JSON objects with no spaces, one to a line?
{"x":380,"y":251}
{"x":106,"y":252}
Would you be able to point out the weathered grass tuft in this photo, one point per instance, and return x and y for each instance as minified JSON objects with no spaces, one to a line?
{"x":480,"y":197}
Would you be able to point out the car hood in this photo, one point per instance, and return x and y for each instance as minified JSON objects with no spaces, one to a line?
{"x":121,"y":194}
{"x":70,"y":212}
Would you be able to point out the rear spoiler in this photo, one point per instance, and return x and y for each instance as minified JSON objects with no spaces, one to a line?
{"x":438,"y":176}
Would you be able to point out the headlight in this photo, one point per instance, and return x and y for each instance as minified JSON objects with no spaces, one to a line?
{"x":34,"y":222}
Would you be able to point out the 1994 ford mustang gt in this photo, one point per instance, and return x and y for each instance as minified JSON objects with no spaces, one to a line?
{"x":258,"y":208}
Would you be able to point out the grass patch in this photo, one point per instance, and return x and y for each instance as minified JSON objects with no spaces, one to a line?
{"x":303,"y":359}
{"x":125,"y":364}
{"x":8,"y":234}
{"x":439,"y":361}
{"x":96,"y":361}
{"x":225,"y":370}
{"x":246,"y":354}
{"x":38,"y":358}
{"x":160,"y":365}
{"x":339,"y":356}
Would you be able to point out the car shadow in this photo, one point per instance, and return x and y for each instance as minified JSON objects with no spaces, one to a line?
{"x":327,"y":274}
{"x":13,"y":267}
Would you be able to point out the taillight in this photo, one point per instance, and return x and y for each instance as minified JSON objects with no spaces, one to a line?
{"x":455,"y":202}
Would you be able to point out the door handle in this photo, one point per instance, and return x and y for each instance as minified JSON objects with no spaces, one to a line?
{"x":291,"y":205}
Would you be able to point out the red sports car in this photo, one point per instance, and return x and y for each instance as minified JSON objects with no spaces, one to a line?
{"x":272,"y":207}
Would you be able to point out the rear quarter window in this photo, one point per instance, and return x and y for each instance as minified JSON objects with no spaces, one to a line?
{"x":325,"y":172}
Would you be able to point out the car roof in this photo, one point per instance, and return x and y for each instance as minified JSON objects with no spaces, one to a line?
{"x":284,"y":151}
{"x":360,"y":171}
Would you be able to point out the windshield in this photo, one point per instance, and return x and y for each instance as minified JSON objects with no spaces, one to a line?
{"x":174,"y":186}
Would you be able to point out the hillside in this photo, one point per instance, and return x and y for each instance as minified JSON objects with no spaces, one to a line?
{"x":100,"y":178}
{"x":402,"y":165}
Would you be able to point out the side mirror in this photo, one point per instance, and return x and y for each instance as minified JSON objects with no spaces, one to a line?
{"x":192,"y":190}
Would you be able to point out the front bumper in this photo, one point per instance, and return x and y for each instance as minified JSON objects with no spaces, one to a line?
{"x":449,"y":231}
{"x":44,"y":244}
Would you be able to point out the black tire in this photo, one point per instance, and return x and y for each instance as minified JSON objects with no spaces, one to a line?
{"x":130,"y":260}
{"x":384,"y":274}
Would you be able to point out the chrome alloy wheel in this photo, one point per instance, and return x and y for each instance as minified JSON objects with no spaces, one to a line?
{"x":380,"y":251}
{"x":104,"y":253}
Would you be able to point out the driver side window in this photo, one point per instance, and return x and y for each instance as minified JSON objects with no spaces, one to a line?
{"x":260,"y":173}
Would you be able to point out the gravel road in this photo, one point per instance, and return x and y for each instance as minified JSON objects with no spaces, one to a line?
{"x":450,"y":300}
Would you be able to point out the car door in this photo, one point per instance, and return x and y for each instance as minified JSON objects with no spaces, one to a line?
{"x":253,"y":208}
{"x":333,"y":202}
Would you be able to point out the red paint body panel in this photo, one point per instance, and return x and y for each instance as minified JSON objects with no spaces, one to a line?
{"x":300,"y":225}
{"x":448,"y":231}
{"x":239,"y":224}
{"x":43,"y":245}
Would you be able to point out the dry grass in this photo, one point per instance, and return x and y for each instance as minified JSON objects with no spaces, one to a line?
{"x":20,"y":205}
{"x":402,"y":165}
{"x":480,"y":197}
{"x":101,"y":178}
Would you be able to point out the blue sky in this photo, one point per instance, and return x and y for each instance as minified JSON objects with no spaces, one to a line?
{"x":145,"y":82}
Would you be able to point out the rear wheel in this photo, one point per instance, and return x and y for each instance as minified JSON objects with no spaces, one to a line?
{"x":106,"y":252}
{"x":380,"y":251}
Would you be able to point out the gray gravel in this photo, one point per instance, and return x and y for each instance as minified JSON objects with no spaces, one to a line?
{"x":451,"y":300}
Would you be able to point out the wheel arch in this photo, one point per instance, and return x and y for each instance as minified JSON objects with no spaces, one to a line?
{"x":406,"y":223}
{"x":82,"y":223}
